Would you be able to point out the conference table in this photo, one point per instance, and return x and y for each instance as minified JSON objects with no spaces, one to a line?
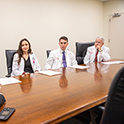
{"x":42,"y":99}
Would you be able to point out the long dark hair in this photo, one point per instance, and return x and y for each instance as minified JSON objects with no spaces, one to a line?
{"x":20,"y":51}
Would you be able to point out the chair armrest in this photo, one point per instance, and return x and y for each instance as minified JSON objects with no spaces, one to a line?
{"x":101,"y":108}
{"x":80,"y":60}
{"x":98,"y":117}
{"x":8,"y":75}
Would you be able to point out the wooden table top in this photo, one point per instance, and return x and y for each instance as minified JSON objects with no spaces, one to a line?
{"x":52,"y":99}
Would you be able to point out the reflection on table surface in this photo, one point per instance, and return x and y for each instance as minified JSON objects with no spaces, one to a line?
{"x":93,"y":67}
{"x":97,"y":69}
{"x":26,"y":85}
{"x":63,"y":82}
{"x":52,"y":99}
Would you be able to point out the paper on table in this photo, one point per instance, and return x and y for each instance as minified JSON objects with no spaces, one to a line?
{"x":79,"y":67}
{"x":5,"y":81}
{"x":113,"y":62}
{"x":50,"y":73}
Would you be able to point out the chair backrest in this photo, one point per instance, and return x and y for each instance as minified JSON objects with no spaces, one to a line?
{"x":114,"y":108}
{"x":48,"y":52}
{"x":9,"y":59}
{"x":81,"y":49}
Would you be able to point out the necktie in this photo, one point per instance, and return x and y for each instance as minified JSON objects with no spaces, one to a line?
{"x":96,"y":55}
{"x":64,"y":59}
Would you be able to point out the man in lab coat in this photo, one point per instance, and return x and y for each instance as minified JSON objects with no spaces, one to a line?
{"x":60,"y":57}
{"x":99,"y":49}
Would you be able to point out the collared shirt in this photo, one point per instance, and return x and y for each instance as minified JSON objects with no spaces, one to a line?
{"x":54,"y":61}
{"x":102,"y":56}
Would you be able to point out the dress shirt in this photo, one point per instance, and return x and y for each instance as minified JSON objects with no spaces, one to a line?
{"x":102,"y":56}
{"x":19,"y":69}
{"x":54,"y":61}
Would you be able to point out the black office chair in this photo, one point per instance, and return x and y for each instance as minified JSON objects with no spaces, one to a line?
{"x":81,"y":49}
{"x":48,"y":52}
{"x":114,"y":107}
{"x":9,"y":59}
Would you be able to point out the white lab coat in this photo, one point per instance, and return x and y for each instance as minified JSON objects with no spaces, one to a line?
{"x":54,"y":60}
{"x":19,"y":69}
{"x":102,"y":56}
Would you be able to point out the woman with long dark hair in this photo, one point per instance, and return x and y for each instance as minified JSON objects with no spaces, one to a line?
{"x":24,"y":60}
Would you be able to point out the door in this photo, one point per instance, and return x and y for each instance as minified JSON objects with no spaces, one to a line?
{"x":116,"y":37}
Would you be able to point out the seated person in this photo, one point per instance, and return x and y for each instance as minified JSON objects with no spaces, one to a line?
{"x":60,"y":57}
{"x":24,"y":60}
{"x":98,"y":52}
{"x":2,"y":99}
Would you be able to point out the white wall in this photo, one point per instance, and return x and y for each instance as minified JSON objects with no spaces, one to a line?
{"x":111,"y":7}
{"x":44,"y":21}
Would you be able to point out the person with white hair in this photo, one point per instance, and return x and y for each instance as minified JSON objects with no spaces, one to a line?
{"x":98,"y":52}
